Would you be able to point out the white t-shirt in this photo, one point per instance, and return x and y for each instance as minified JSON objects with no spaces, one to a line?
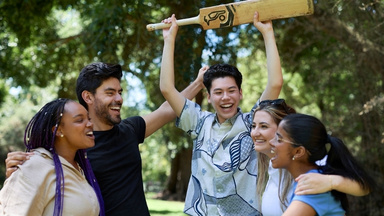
{"x":271,"y":205}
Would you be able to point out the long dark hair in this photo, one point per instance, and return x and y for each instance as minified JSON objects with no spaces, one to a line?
{"x":277,"y":109}
{"x":38,"y":133}
{"x":309,"y":132}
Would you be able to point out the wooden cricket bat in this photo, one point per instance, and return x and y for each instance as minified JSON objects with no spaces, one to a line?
{"x":242,"y":12}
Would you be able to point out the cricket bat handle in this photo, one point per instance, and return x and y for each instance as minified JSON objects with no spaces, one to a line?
{"x":181,"y":22}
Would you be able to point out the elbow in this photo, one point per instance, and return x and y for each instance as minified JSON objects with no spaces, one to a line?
{"x":166,"y":92}
{"x":163,"y":88}
{"x":277,"y":84}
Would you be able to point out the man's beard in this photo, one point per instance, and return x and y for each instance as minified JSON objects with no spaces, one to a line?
{"x":103,"y":114}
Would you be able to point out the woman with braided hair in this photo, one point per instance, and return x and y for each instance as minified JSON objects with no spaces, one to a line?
{"x":57,"y":179}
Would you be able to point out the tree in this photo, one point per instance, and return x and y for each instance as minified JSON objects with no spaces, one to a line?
{"x":338,"y":52}
{"x":332,"y":62}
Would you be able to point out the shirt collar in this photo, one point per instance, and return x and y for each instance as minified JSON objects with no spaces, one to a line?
{"x":230,"y":120}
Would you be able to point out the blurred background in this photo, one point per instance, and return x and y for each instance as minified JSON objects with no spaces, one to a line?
{"x":333,"y":67}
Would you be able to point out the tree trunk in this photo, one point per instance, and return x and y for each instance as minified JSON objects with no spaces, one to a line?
{"x":177,"y":184}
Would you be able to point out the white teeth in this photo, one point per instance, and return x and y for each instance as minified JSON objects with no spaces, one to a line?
{"x":115,"y":108}
{"x":259,"y":141}
{"x":226,"y":106}
{"x":90,"y":133}
{"x":272,"y":151}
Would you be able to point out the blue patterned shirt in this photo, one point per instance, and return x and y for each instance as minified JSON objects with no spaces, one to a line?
{"x":224,"y":163}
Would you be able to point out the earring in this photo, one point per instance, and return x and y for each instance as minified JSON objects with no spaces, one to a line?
{"x":293,"y":158}
{"x":62,"y":135}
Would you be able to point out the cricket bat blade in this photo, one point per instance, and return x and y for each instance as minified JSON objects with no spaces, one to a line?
{"x":238,"y":13}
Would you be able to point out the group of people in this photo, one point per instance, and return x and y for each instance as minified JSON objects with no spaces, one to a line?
{"x":263,"y":162}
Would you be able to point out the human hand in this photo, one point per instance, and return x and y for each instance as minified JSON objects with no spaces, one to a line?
{"x":263,"y":27}
{"x":313,"y":183}
{"x":13,"y":159}
{"x":171,"y":32}
{"x":200,"y":75}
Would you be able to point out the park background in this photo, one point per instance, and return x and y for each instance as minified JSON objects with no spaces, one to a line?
{"x":333,"y":68}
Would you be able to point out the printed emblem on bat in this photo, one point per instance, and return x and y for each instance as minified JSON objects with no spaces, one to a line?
{"x":225,"y":17}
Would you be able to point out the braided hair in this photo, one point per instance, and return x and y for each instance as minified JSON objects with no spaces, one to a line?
{"x":41,"y":132}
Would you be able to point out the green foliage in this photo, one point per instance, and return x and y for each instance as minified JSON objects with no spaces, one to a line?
{"x":332,"y":63}
{"x":16,"y":111}
{"x":3,"y":92}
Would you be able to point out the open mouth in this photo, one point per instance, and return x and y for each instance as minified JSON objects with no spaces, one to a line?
{"x":226,"y":106}
{"x":116,"y":109}
{"x":90,"y":134}
{"x":259,"y":141}
{"x":273,"y":152}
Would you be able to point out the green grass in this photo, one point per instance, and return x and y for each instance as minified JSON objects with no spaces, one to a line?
{"x":163,"y":207}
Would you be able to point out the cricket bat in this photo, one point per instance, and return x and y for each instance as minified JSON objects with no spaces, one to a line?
{"x":242,"y":12}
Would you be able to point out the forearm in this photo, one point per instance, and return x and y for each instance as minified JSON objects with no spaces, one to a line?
{"x":275,"y":77}
{"x":346,"y":185}
{"x":167,"y":76}
{"x":315,"y":183}
{"x":192,"y":89}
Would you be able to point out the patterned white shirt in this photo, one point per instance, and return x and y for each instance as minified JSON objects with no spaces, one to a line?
{"x":224,"y":163}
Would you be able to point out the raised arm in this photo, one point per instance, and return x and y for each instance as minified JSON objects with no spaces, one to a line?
{"x":315,"y":183}
{"x":275,"y":76}
{"x":165,"y":113}
{"x":167,"y":76}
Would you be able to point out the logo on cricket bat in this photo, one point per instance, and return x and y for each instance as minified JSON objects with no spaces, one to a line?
{"x":225,"y":17}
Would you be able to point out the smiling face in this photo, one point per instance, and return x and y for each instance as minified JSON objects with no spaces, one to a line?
{"x":76,"y":128}
{"x":263,"y":130}
{"x":282,"y":148}
{"x":225,"y":97}
{"x":108,"y":101}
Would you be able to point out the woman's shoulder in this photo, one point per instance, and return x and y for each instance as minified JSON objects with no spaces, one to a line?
{"x":39,"y":155}
{"x":40,"y":162}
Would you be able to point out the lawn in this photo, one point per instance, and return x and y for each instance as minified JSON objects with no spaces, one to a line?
{"x":163,"y":207}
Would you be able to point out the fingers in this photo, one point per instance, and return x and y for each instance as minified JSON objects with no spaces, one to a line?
{"x":14,"y":159}
{"x":255,"y":17}
{"x":172,"y":29}
{"x":204,"y":68}
{"x":301,"y":186}
{"x":263,"y":27}
{"x":298,"y":178}
{"x":9,"y":171}
{"x":169,"y":20}
{"x":312,"y":183}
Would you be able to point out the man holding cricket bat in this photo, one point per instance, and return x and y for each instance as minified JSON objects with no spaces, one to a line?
{"x":224,"y":165}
